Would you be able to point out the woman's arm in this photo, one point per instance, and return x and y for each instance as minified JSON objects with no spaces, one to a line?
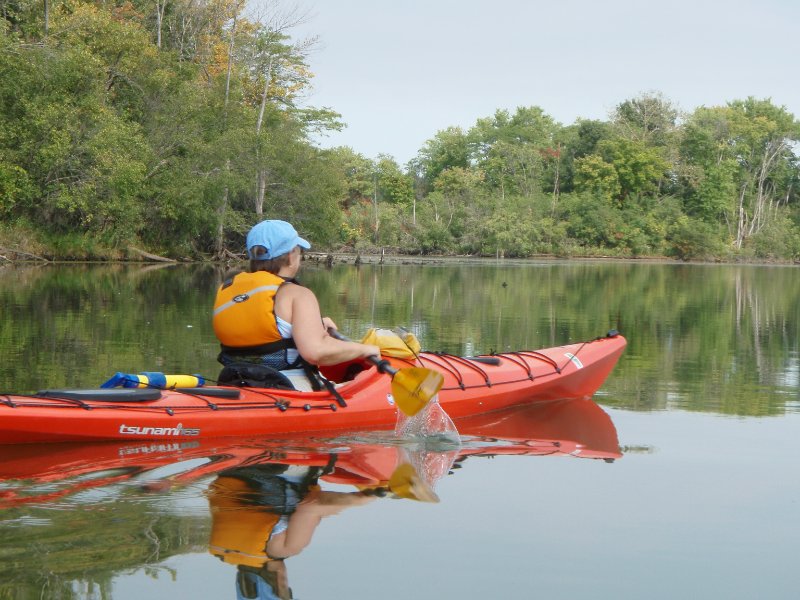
{"x":304,"y":521}
{"x":309,"y":332}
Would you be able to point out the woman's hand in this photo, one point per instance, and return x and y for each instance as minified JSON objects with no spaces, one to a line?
{"x":367,"y":350}
{"x":370,"y":350}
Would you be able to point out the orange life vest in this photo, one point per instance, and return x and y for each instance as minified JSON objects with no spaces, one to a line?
{"x":240,"y":530}
{"x":244,"y":313}
{"x":239,"y":533}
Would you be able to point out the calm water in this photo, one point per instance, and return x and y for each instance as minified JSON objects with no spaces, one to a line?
{"x":678,"y":481}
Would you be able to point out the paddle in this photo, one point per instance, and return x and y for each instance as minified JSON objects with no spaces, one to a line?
{"x":412,"y":387}
{"x":405,"y":482}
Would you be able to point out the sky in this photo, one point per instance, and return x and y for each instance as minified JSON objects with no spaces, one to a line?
{"x":399,"y":71}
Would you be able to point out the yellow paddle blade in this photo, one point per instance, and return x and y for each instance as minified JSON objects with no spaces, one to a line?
{"x":414,"y":387}
{"x":406,"y":483}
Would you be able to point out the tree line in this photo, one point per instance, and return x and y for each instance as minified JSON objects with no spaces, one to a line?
{"x":174,"y":125}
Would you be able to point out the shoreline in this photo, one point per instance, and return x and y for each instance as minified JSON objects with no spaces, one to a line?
{"x":329,"y":259}
{"x":354,"y":258}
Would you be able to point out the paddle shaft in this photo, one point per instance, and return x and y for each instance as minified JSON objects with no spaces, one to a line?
{"x":412,"y":387}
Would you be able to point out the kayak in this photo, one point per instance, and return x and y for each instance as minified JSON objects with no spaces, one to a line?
{"x":360,"y":400}
{"x":38,"y":473}
{"x":472,"y":385}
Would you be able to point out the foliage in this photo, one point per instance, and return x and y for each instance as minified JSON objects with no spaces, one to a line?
{"x":592,"y":221}
{"x":779,"y":239}
{"x":745,"y":153}
{"x":176,"y":130}
{"x":394,"y":186}
{"x":638,"y":167}
{"x":135,"y":142}
{"x":649,"y":118}
{"x":448,"y":149}
{"x":693,"y":239}
{"x":594,"y":174}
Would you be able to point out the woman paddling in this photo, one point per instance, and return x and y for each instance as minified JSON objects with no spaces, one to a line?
{"x":265,"y":317}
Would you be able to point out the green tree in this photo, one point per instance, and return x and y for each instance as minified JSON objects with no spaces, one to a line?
{"x":593,"y":174}
{"x":639,"y":167}
{"x":649,"y":119}
{"x":394,"y":186}
{"x":621,"y":168}
{"x":85,"y":161}
{"x":448,"y":149}
{"x":591,"y":221}
{"x":357,"y":172}
{"x":744,"y":153}
{"x":579,"y":140}
{"x":458,"y":190}
{"x":513,"y":150}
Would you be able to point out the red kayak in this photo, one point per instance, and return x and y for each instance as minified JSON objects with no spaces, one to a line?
{"x":472,"y":386}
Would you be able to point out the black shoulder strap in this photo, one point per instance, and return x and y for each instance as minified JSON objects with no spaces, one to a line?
{"x":228,"y":281}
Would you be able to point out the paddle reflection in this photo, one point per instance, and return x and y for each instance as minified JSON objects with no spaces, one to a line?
{"x":266,"y":498}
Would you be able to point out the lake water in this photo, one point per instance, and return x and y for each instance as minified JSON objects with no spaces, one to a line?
{"x":679,"y":480}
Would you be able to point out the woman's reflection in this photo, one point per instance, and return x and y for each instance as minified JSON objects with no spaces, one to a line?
{"x":266,"y":513}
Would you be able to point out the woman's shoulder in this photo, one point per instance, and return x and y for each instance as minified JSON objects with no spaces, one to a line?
{"x":292,"y":289}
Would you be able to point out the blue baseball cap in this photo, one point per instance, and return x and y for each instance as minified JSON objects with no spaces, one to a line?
{"x":278,"y":237}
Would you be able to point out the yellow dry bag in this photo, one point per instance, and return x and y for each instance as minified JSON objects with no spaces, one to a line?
{"x":397,"y":344}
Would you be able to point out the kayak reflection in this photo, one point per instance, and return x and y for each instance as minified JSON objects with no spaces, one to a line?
{"x":265,"y":513}
{"x":41,"y":473}
{"x":266,"y":498}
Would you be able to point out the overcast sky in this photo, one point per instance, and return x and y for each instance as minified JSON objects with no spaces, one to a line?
{"x":398,"y":71}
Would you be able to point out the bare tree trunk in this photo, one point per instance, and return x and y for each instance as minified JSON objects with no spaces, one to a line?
{"x":750,"y":222}
{"x":375,"y":205}
{"x":264,"y":94}
{"x":223,"y":208}
{"x":277,"y":23}
{"x":46,"y":17}
{"x":160,"y":6}
{"x":556,"y":179}
{"x":763,"y":193}
{"x":525,"y":181}
{"x":230,"y":55}
{"x":741,"y":219}
{"x":261,"y":188}
{"x":261,"y":175}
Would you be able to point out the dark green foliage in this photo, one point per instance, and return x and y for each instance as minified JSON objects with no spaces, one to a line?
{"x":110,"y":138}
{"x":692,"y":239}
{"x":779,"y":239}
{"x":103,"y":133}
